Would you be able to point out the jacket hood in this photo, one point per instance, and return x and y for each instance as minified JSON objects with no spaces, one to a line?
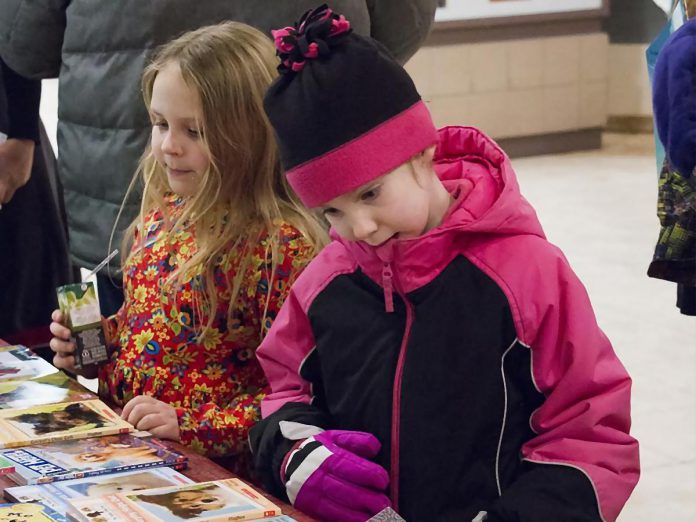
{"x":487,"y":204}
{"x":476,"y":170}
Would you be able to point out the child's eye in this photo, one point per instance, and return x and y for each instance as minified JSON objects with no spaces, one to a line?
{"x":329,"y":211}
{"x":195,"y":133}
{"x":369,"y":195}
{"x":160,"y":124}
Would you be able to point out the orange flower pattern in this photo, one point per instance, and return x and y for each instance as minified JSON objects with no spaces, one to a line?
{"x":216,"y":384}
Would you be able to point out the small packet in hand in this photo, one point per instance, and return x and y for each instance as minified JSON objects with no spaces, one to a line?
{"x":80,"y":306}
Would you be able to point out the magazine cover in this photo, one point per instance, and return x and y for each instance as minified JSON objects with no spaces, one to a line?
{"x":56,"y":495}
{"x":48,"y":389}
{"x":52,"y":422}
{"x":220,"y":500}
{"x":33,"y":512}
{"x":19,"y":363}
{"x":69,"y":459}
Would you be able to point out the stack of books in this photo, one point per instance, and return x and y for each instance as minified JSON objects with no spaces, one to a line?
{"x":74,"y":458}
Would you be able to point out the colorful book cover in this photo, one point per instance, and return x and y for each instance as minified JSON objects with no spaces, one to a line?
{"x":33,"y":512}
{"x":217,"y":501}
{"x":70,"y":459}
{"x":6,"y":466}
{"x":48,"y":389}
{"x":57,"y":494}
{"x":18,"y":363}
{"x":54,"y":422}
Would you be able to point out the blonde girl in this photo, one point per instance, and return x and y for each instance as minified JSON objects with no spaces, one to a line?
{"x":218,"y":241}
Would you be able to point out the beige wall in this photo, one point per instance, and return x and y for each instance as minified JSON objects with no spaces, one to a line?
{"x":517,"y":87}
{"x":629,"y":87}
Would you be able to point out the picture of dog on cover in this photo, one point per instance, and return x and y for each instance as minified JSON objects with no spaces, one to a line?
{"x":192,"y":502}
{"x":53,"y":418}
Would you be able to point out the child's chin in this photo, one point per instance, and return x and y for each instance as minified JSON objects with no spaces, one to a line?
{"x":181,"y":188}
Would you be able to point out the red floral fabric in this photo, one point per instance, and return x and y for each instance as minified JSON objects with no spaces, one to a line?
{"x":216,"y":385}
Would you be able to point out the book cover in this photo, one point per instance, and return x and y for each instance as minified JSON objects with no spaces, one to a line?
{"x":56,"y":495}
{"x":33,"y":512}
{"x":6,"y":466}
{"x":54,"y":422}
{"x":217,"y":501}
{"x":47,"y":389}
{"x":19,"y":363}
{"x":70,"y":459}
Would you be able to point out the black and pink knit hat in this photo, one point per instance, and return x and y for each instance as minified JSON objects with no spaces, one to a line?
{"x":344,"y":111}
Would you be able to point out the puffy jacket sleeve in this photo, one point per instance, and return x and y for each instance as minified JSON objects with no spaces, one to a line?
{"x":582,"y":464}
{"x":31,"y":36}
{"x":401,"y":25}
{"x":281,"y":354}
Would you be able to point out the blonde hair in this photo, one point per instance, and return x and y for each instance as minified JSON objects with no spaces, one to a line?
{"x":244,"y":192}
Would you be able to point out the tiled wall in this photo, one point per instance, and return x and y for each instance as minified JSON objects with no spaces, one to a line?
{"x":517,"y":87}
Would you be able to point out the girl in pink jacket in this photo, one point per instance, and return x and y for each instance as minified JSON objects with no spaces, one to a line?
{"x":440,"y":356}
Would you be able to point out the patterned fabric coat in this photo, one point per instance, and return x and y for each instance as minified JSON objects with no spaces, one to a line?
{"x":216,"y":384}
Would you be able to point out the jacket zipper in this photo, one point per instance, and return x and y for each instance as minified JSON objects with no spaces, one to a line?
{"x":396,"y":392}
{"x":388,"y":286}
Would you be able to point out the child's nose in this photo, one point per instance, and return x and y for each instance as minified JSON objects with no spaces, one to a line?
{"x":171,"y":144}
{"x":364,"y":228}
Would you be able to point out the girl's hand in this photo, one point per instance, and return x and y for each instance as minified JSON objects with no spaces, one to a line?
{"x":149,"y":414}
{"x":64,"y":348}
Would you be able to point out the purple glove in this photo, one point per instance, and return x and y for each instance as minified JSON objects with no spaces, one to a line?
{"x":329,"y":476}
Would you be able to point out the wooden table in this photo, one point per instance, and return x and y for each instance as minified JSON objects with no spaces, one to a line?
{"x":200,"y":469}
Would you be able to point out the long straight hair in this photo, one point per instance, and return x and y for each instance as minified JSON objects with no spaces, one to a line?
{"x":243,"y":194}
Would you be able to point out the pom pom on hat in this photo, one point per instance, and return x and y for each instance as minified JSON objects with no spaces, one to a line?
{"x":313,"y":36}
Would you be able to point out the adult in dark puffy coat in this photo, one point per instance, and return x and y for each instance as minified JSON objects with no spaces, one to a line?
{"x":99,"y":49}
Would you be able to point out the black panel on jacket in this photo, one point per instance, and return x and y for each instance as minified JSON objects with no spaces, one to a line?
{"x":532,"y":500}
{"x":357,"y":348}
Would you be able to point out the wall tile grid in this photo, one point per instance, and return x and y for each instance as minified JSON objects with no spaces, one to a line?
{"x":518,"y":87}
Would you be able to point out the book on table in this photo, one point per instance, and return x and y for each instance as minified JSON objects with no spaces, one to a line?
{"x":216,"y":501}
{"x":69,"y":459}
{"x":6,"y":466}
{"x":45,"y":389}
{"x":18,"y":362}
{"x":60,"y":421}
{"x":56,"y":494}
{"x":33,"y":512}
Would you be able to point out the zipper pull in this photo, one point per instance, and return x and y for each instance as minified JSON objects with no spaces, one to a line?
{"x":387,"y":284}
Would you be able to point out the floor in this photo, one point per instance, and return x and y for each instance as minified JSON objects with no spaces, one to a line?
{"x":599,"y":207}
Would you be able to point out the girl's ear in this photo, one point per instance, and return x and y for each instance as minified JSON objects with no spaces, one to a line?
{"x":423,"y":166}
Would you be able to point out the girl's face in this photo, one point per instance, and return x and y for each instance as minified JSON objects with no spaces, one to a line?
{"x":197,"y":500}
{"x":177,"y":144}
{"x":398,"y":205}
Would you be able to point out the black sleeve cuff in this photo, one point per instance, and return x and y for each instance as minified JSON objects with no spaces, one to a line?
{"x":270,"y":447}
{"x":23,"y":99}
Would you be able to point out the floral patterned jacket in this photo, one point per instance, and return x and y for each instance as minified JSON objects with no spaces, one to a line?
{"x":216,"y":385}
